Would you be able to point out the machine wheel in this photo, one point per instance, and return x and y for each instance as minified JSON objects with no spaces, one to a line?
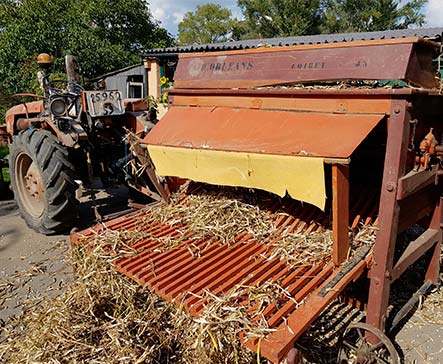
{"x":42,"y":179}
{"x":354,"y":349}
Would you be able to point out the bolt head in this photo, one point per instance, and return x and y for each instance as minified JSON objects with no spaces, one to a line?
{"x":390,"y":186}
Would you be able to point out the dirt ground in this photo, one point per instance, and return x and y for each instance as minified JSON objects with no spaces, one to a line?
{"x":33,"y":266}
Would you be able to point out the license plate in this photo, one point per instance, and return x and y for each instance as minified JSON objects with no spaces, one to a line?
{"x":104,"y":103}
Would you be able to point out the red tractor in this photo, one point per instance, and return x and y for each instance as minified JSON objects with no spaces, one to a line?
{"x":65,"y":138}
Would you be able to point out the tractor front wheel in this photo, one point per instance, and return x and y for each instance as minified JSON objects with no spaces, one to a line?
{"x":43,"y":182}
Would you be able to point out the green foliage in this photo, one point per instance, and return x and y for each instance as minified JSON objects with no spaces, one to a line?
{"x":165,"y":85}
{"x":280,"y":18}
{"x":104,"y":34}
{"x":5,"y":175}
{"x":209,"y":23}
{"x":371,"y":15}
{"x":4,"y":151}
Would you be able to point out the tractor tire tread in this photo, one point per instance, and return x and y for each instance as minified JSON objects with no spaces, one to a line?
{"x":58,"y":178}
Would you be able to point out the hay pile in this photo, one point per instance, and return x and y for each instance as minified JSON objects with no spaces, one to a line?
{"x":225,"y":213}
{"x":340,"y":85}
{"x":105,"y":317}
{"x":217,"y":212}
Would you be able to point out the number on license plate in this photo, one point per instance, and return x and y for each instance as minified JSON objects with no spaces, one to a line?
{"x":103,"y":96}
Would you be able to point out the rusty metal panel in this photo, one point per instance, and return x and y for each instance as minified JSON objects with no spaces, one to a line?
{"x":401,"y":60}
{"x":317,"y":103}
{"x":262,"y":131}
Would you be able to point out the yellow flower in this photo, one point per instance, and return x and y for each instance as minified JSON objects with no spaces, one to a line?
{"x":163,"y":80}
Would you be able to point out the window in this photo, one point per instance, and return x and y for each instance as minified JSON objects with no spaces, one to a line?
{"x":135,"y":87}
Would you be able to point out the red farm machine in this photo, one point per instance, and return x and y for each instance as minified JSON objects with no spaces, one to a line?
{"x":341,"y":156}
{"x":64,"y":139}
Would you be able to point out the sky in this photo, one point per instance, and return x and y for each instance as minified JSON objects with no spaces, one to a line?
{"x":171,"y":12}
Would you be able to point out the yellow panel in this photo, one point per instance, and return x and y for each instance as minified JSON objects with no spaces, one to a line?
{"x":302,"y":177}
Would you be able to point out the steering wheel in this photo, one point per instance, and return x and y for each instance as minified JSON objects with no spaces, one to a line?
{"x":52,"y":83}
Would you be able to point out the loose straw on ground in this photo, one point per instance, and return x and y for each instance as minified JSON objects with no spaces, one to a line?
{"x":105,"y":317}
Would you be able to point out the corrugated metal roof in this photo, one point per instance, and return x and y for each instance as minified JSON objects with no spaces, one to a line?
{"x":432,"y":33}
{"x":112,"y":73}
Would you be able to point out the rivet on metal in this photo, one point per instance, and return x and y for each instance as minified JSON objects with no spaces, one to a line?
{"x":390,"y":186}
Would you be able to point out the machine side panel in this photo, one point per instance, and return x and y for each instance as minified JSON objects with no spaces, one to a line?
{"x":262,"y":131}
{"x":245,"y":70}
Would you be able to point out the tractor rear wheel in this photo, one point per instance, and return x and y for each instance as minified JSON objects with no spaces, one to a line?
{"x":43,"y":182}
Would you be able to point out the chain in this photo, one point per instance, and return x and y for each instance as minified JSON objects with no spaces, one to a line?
{"x":414,"y":123}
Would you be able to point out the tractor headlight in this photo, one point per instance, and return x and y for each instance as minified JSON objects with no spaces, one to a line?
{"x":58,"y":106}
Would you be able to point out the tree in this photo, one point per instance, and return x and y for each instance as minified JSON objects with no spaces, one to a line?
{"x":371,"y":15}
{"x":104,"y":34}
{"x":209,"y":23}
{"x":281,"y":18}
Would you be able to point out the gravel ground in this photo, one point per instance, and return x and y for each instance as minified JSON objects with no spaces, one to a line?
{"x":33,"y":266}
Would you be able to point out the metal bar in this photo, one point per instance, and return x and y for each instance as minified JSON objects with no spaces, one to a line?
{"x":389,"y":212}
{"x":144,"y":158}
{"x":293,"y":276}
{"x":276,"y":345}
{"x":128,"y":264}
{"x":351,"y":92}
{"x":170,"y":263}
{"x":298,"y":273}
{"x":410,"y":304}
{"x":340,"y":212}
{"x":200,"y":269}
{"x":299,"y":296}
{"x":227,"y":284}
{"x":302,"y":284}
{"x":224,"y":271}
{"x":77,"y":236}
{"x":146,"y":191}
{"x":259,"y":275}
{"x":170,"y":270}
{"x":265,"y":274}
{"x":320,"y":103}
{"x":358,"y":256}
{"x":303,"y":216}
{"x":153,"y":259}
{"x":308,"y":219}
{"x":363,"y":210}
{"x":196,"y":276}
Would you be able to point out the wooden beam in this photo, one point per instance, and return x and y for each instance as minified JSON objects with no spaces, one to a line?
{"x":340,"y":212}
{"x":415,"y":181}
{"x":389,"y":212}
{"x":417,"y":206}
{"x":415,"y":250}
{"x":345,"y":161}
{"x":433,"y":270}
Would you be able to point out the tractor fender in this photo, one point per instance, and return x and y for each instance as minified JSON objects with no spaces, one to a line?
{"x":24,"y":110}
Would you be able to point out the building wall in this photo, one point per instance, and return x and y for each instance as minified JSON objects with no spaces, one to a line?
{"x":119,"y":81}
{"x":151,"y":80}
